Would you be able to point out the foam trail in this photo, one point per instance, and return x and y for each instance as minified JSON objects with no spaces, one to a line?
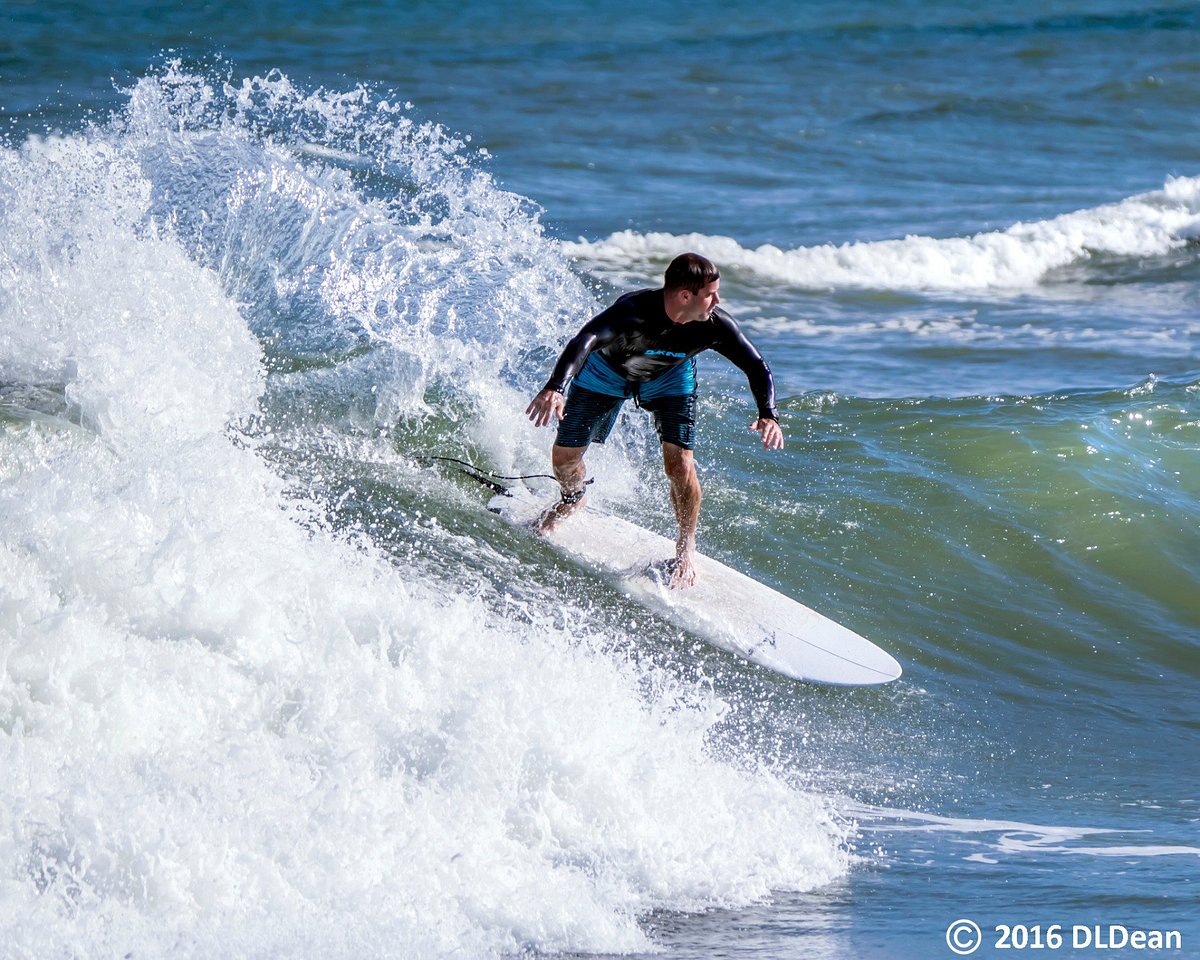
{"x":1013,"y":838}
{"x":1021,"y":257}
{"x":227,"y":729}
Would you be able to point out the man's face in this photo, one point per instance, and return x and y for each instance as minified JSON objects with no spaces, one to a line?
{"x":704,"y":301}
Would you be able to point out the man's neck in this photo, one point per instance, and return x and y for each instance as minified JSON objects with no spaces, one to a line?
{"x":672,"y":308}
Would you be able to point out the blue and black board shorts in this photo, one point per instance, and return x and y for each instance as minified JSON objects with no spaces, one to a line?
{"x":589,"y":418}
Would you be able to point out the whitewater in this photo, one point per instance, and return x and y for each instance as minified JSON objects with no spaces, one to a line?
{"x":273,"y":681}
{"x":225,"y":721}
{"x":1021,"y":257}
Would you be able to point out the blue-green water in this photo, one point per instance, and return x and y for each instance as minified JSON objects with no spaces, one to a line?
{"x":274,"y":684}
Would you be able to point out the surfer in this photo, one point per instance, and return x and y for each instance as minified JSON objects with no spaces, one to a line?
{"x":644,"y":346}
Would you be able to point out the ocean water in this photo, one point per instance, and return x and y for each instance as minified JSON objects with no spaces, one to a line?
{"x":274,"y":683}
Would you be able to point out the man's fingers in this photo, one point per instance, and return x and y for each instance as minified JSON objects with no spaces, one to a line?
{"x":773,"y":436}
{"x":772,"y":433}
{"x":543,"y":408}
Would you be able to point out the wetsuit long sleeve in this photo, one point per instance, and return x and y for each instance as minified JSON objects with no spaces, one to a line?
{"x":736,"y":348}
{"x":639,"y":342}
{"x":596,"y":333}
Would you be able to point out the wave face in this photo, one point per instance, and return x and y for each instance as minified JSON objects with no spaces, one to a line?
{"x":1024,"y":256}
{"x":1072,"y":513}
{"x":255,"y":699}
{"x":273,"y":684}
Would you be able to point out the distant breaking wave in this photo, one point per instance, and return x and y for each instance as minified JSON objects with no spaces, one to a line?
{"x":1023,"y":256}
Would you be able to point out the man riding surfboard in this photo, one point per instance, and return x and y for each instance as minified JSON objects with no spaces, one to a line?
{"x":644,"y":347}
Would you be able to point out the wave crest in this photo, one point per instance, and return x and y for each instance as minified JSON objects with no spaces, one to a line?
{"x":1018,"y":258}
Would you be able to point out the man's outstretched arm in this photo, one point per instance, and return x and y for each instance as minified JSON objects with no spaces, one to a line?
{"x":548,"y":404}
{"x":737,"y":348}
{"x":601,"y":330}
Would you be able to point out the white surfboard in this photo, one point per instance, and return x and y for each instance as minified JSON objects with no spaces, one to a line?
{"x":725,"y":607}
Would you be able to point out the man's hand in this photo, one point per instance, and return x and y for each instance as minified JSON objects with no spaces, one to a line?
{"x":546,"y":406}
{"x":772,"y":433}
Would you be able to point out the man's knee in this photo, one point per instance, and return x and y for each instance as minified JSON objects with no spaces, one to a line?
{"x":568,"y":464}
{"x":566,"y":457}
{"x":679,"y":464}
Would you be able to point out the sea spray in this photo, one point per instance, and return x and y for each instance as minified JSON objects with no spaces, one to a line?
{"x":228,"y":725}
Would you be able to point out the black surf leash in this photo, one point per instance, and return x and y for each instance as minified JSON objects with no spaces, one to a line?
{"x":482,"y":476}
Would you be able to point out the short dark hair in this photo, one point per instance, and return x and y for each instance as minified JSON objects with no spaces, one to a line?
{"x":690,"y":271}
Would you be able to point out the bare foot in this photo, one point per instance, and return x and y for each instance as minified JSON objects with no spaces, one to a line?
{"x":551,"y":517}
{"x":683,"y":573}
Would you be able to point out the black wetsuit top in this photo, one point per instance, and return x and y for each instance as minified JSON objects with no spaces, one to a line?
{"x":640,"y":342}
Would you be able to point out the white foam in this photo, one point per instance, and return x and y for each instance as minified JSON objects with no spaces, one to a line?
{"x":967,"y":328}
{"x":225,"y":730}
{"x":1018,"y":258}
{"x":1014,"y":837}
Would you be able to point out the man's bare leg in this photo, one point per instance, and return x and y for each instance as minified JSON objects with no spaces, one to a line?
{"x":570,"y":472}
{"x":685,"y":498}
